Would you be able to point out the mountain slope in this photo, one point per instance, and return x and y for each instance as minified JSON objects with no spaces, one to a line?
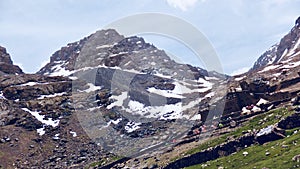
{"x":108,"y":95}
{"x":137,"y":84}
{"x":134,"y":90}
{"x":287,"y":48}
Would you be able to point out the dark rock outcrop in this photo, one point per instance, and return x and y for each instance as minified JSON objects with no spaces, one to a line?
{"x":213,"y":153}
{"x":6,"y":64}
{"x":290,"y":122}
{"x":279,"y":51}
{"x":270,"y":133}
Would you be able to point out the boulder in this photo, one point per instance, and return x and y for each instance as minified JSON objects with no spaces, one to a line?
{"x":290,"y":122}
{"x":270,"y":133}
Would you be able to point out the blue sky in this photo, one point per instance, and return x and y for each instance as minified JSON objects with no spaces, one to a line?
{"x":240,"y":30}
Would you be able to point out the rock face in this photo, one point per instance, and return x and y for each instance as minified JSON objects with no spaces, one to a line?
{"x":144,"y":84}
{"x":213,"y":152}
{"x":127,"y":70}
{"x":274,"y":76}
{"x":63,"y":60}
{"x":6,"y":64}
{"x":4,"y":56}
{"x":268,"y":134}
{"x":290,"y":122}
{"x":126,"y":87}
{"x":288,"y":46}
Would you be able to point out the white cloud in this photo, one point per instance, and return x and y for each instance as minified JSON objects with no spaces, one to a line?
{"x":182,"y":4}
{"x":240,"y":71}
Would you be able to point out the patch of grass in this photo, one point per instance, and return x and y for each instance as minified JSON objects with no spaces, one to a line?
{"x":95,"y":164}
{"x":210,"y":143}
{"x":116,"y":158}
{"x":258,"y":122}
{"x":291,"y":131}
{"x":263,"y":120}
{"x":280,"y":156}
{"x":103,"y":162}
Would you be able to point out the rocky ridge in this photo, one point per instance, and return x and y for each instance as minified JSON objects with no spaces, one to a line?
{"x":40,"y":126}
{"x":6,"y":64}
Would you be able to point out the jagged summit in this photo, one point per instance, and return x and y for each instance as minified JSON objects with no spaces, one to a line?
{"x":68,"y":54}
{"x":6,"y":64}
{"x":109,"y":48}
{"x":286,"y":49}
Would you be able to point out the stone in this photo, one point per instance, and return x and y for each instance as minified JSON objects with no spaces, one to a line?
{"x":296,"y":158}
{"x":268,"y":134}
{"x":290,"y":122}
{"x":153,"y":166}
{"x":7,"y":139}
{"x":245,"y":153}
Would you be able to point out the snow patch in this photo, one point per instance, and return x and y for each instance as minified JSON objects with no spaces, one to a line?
{"x":56,"y":137}
{"x":165,"y":93}
{"x":29,"y":84}
{"x":103,"y":46}
{"x":173,"y":111}
{"x":119,"y":100}
{"x":1,"y":95}
{"x":92,"y":88}
{"x":262,"y":101}
{"x":291,"y":65}
{"x":245,"y":110}
{"x":41,"y":131}
{"x":265,"y":131}
{"x":256,"y":109}
{"x":115,"y":122}
{"x":271,"y":67}
{"x":60,"y":71}
{"x":196,"y":117}
{"x":292,"y":51}
{"x":51,"y":95}
{"x":132,"y":126}
{"x":49,"y":122}
{"x":74,"y":134}
{"x":283,"y":54}
{"x":239,"y":78}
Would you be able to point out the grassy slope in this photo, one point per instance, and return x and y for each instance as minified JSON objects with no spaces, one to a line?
{"x":268,"y":118}
{"x":279,"y":157}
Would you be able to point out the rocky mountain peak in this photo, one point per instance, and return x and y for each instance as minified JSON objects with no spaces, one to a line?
{"x":4,"y":56}
{"x":141,"y":104}
{"x":6,"y":64}
{"x":297,"y":23}
{"x":107,"y":48}
{"x":286,"y":49}
{"x":65,"y":58}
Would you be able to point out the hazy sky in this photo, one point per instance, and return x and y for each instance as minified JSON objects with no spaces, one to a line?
{"x":240,"y":30}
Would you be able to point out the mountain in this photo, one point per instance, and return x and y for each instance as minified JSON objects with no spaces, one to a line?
{"x":137,"y":93}
{"x":137,"y":84}
{"x":284,"y":51}
{"x":109,"y":101}
{"x":6,"y":64}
